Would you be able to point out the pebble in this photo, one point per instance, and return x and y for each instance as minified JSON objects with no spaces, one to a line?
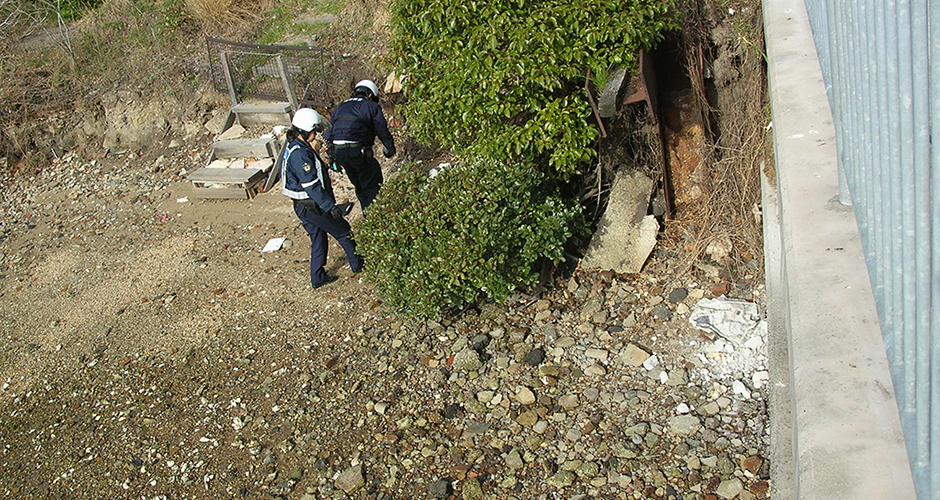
{"x":525,"y":396}
{"x":662,"y":311}
{"x":684,"y":425}
{"x":596,"y":369}
{"x":472,"y":489}
{"x":760,"y":379}
{"x":528,"y":418}
{"x":568,"y":401}
{"x":467,"y":360}
{"x":633,"y":355}
{"x":740,"y":389}
{"x":535,"y":357}
{"x":440,"y":489}
{"x":514,"y":461}
{"x":350,"y":479}
{"x":598,"y":354}
{"x":561,"y":479}
{"x":678,"y":295}
{"x":730,"y":488}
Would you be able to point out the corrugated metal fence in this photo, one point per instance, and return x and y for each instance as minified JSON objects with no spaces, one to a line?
{"x":877,"y":59}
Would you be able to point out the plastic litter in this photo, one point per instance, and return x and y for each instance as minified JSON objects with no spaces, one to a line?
{"x":732,"y":319}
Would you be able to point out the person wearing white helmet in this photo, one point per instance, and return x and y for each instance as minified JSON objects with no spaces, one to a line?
{"x":355,"y":124}
{"x":307,"y":183}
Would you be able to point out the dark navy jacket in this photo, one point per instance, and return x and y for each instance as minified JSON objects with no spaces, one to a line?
{"x":305,"y":176}
{"x":359,"y":120}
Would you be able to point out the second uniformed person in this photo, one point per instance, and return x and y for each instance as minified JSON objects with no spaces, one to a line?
{"x":355,"y":124}
{"x":307,"y":183}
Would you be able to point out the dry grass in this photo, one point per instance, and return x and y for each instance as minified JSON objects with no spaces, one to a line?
{"x":730,"y":211}
{"x":226,"y":15}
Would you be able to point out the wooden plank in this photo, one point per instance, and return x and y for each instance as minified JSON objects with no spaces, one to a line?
{"x":225,"y":175}
{"x":229,"y":121}
{"x":269,"y":108}
{"x":244,"y":148}
{"x":288,"y":86}
{"x":249,"y":120}
{"x":275,"y":174}
{"x":221,"y":193}
{"x":228,"y":78}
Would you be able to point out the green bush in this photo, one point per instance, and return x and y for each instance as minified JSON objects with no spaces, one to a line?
{"x":474,"y":231}
{"x":501,"y":82}
{"x":504,"y":78}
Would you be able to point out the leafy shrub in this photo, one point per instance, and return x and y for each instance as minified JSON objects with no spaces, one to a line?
{"x":476,"y":230}
{"x":505,"y":78}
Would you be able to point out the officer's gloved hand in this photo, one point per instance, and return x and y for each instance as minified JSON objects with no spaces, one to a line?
{"x":388,"y":151}
{"x":337,"y":212}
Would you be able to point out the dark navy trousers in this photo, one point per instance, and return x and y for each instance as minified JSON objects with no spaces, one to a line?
{"x":363,"y":171}
{"x":318,"y":226}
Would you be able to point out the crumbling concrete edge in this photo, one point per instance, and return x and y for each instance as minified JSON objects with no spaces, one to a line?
{"x":846,"y":435}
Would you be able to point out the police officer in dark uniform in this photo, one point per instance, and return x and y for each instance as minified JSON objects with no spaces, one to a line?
{"x":355,"y":123}
{"x":307,"y":183}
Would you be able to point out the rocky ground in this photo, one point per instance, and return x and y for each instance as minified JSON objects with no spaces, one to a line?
{"x":151,"y":351}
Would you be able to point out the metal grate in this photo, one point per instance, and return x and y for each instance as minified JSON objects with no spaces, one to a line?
{"x":257,"y":70}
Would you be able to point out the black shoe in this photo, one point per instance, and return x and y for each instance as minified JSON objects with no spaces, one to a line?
{"x":329,"y":279}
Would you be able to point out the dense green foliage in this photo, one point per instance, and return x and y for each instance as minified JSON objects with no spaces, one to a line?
{"x":473,"y":231}
{"x":504,"y":78}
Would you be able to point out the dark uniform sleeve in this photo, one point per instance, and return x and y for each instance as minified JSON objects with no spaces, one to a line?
{"x":381,"y":127}
{"x":314,"y":179}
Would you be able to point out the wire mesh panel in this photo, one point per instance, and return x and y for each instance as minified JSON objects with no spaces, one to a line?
{"x":261,"y":71}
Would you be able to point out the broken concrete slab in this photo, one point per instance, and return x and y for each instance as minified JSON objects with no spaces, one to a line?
{"x":626,"y":234}
{"x":607,"y":104}
{"x":215,"y":124}
{"x":233,"y":132}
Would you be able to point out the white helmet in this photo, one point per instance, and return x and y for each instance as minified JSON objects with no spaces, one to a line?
{"x":307,"y":120}
{"x":369,"y":84}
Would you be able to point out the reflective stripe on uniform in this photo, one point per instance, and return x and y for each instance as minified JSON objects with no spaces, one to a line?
{"x":290,"y":193}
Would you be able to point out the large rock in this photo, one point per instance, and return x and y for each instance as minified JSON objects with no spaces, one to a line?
{"x":626,"y":234}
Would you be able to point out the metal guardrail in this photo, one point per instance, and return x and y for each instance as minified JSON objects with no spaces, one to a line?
{"x":877,"y":60}
{"x":260,"y":70}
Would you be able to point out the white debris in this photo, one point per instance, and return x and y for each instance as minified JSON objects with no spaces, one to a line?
{"x":732,"y":319}
{"x":740,"y":389}
{"x":760,"y":379}
{"x":273,"y":245}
